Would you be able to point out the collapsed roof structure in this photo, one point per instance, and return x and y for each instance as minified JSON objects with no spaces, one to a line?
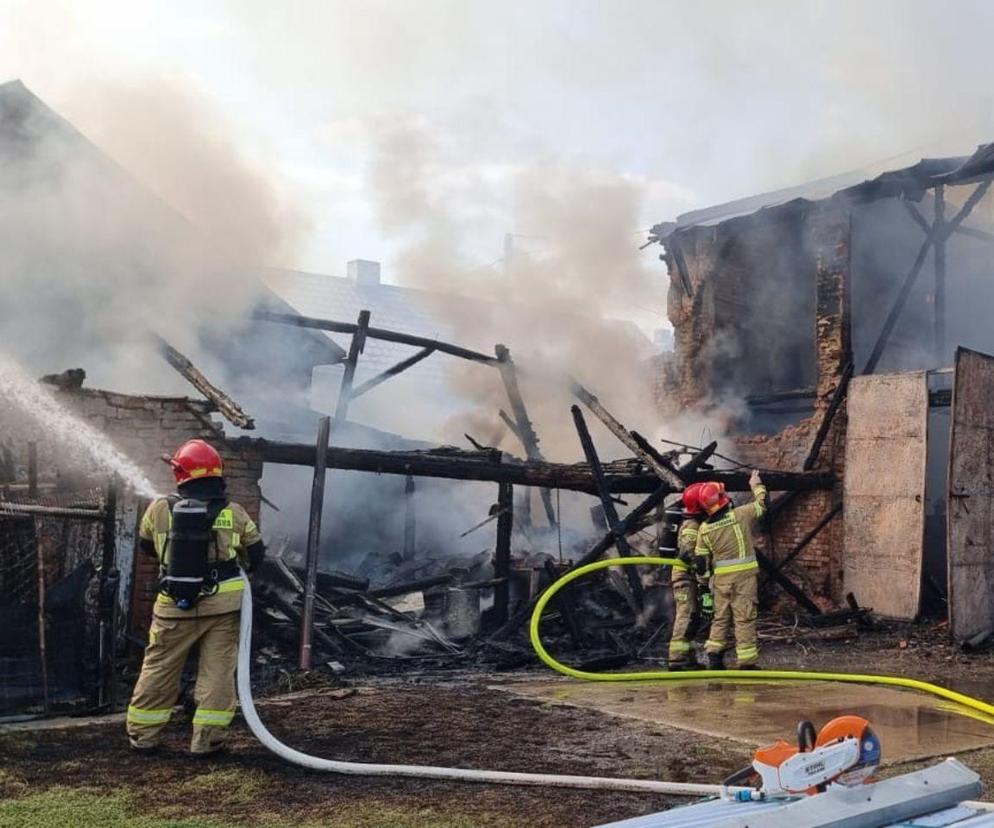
{"x":779,"y":299}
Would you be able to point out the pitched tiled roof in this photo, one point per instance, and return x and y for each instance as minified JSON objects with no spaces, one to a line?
{"x":392,"y":307}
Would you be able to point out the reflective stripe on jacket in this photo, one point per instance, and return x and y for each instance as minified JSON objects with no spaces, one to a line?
{"x":234,"y":531}
{"x":727,"y":543}
{"x":686,"y":544}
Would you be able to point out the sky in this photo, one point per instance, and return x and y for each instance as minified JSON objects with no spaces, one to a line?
{"x":355,"y":128}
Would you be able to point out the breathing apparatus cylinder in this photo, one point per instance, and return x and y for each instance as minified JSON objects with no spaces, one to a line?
{"x":189,"y":545}
{"x":669,"y":531}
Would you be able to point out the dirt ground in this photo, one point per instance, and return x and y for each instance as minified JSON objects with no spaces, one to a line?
{"x":453,"y":720}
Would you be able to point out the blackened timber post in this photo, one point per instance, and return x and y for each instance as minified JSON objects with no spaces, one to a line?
{"x":613,"y":521}
{"x":629,"y":524}
{"x":902,"y":297}
{"x":410,"y":519}
{"x":662,"y":471}
{"x":348,"y":375}
{"x":502,"y":557}
{"x":939,"y":263}
{"x":317,"y":489}
{"x":525,"y":430}
{"x":314,"y":544}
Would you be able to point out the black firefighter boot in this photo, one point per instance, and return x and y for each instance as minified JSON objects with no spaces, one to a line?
{"x":716,"y":661}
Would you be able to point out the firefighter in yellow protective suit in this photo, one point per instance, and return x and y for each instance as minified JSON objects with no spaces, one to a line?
{"x":203,"y":541}
{"x":726,"y":558}
{"x":685,"y":597}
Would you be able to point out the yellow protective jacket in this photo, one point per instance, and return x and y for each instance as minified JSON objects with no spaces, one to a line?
{"x":234,"y":532}
{"x":726,"y":545}
{"x":686,"y":546}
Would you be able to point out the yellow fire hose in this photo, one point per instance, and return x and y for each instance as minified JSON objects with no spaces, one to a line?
{"x":753,"y":675}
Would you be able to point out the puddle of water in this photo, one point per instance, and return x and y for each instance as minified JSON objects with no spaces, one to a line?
{"x":910,"y":725}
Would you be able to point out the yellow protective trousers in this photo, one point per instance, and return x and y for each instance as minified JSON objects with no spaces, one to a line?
{"x":685,"y":605}
{"x":736,"y":605}
{"x":169,"y":643}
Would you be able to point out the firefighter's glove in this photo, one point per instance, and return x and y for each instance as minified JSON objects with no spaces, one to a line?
{"x":707,"y":605}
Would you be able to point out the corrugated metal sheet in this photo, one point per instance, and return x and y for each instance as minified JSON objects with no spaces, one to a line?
{"x":910,"y":182}
{"x":702,"y":814}
{"x":933,"y":797}
{"x":713,"y":814}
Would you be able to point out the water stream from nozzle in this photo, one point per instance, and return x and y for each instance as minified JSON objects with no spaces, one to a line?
{"x":64,"y":428}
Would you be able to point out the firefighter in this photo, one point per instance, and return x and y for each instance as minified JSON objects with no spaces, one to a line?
{"x":202,"y":541}
{"x":681,"y":654}
{"x":726,"y":558}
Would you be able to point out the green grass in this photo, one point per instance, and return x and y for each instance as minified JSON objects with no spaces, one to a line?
{"x":228,"y":786}
{"x":60,"y":807}
{"x":87,"y":808}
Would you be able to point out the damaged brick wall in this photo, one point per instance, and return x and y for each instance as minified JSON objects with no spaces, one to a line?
{"x":708,"y":255}
{"x":144,"y":428}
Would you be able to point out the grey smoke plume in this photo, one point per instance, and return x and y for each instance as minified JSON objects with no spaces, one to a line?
{"x":555,"y":298}
{"x":94,"y":257}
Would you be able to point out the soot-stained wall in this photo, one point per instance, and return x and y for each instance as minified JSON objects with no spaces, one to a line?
{"x":769,"y":311}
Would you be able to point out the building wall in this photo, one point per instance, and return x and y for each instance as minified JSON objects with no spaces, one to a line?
{"x":706,"y":252}
{"x":144,"y":429}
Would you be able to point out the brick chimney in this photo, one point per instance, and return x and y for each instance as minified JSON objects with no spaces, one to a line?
{"x":364,"y":273}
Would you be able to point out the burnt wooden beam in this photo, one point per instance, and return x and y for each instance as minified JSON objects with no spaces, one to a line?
{"x":787,"y":585}
{"x":838,"y":395}
{"x":511,"y":425}
{"x":632,"y":522}
{"x":610,"y":513}
{"x":935,"y":233}
{"x":392,"y":371}
{"x":337,"y":645}
{"x":810,"y":536}
{"x":826,"y":421}
{"x":419,"y":585}
{"x":918,"y":218}
{"x":974,"y":233}
{"x":502,"y":552}
{"x":225,"y":405}
{"x":663,"y":472}
{"x":410,"y":519}
{"x":356,"y":347}
{"x":314,"y":544}
{"x":524,"y":429}
{"x":939,"y":267}
{"x":566,"y":605}
{"x":373,"y":333}
{"x":624,"y":477}
{"x":781,"y":396}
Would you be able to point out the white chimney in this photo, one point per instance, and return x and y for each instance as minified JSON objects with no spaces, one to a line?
{"x":364,"y":273}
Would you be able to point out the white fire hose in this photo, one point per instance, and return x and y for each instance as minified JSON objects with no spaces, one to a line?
{"x":427,"y":771}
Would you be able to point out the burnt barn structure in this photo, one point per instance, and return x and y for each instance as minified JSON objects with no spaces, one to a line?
{"x":843,"y":326}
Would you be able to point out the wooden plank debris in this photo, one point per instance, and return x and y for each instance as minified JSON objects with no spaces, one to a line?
{"x":225,"y":405}
{"x":663,"y":472}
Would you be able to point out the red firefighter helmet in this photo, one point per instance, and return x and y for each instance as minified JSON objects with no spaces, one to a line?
{"x":195,"y":459}
{"x":712,"y":497}
{"x":692,"y":499}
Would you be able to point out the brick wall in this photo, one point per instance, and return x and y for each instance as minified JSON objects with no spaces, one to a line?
{"x":826,"y":234}
{"x":143,"y":428}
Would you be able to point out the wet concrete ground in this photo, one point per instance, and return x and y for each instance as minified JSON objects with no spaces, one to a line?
{"x":910,"y":725}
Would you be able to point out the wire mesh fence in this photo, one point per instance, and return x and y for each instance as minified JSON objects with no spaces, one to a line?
{"x":49,"y":602}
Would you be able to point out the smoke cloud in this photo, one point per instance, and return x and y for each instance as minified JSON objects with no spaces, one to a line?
{"x":165,"y":233}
